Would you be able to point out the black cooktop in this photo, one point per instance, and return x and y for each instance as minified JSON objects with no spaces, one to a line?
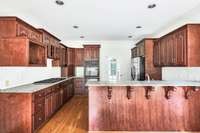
{"x":51,"y":80}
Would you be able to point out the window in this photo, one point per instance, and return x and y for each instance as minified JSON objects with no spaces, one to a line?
{"x":113,"y":69}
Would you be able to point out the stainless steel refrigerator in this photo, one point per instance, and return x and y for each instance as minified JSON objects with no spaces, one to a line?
{"x":138,"y":68}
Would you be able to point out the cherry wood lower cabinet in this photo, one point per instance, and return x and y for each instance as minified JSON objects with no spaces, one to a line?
{"x":27,"y":112}
{"x":79,"y":86}
{"x":141,"y":109}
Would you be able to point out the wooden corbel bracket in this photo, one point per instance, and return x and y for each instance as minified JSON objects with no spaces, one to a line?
{"x":168,"y":91}
{"x":129,"y":90}
{"x":148,"y":91}
{"x":189,"y":91}
{"x":109,"y":92}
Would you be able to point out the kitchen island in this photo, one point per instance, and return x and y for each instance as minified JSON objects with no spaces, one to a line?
{"x":144,"y":106}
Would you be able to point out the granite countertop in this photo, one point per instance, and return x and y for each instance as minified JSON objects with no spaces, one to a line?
{"x":143,"y":83}
{"x":31,"y":88}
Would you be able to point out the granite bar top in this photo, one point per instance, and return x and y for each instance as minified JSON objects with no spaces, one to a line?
{"x":143,"y":83}
{"x":31,"y":88}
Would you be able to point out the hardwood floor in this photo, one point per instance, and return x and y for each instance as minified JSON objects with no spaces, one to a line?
{"x":73,"y":118}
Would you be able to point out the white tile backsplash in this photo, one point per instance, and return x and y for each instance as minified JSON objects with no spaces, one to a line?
{"x":181,"y":73}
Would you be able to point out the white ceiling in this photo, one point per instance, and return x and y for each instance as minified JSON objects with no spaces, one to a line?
{"x":98,"y":19}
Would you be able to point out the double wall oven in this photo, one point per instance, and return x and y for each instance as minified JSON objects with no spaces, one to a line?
{"x":91,"y":72}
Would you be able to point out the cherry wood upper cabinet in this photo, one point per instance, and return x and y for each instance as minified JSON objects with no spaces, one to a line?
{"x":91,"y":52}
{"x":15,"y":27}
{"x":79,"y":57}
{"x":63,"y":55}
{"x":53,"y":44}
{"x":179,"y":48}
{"x":139,"y":50}
{"x":70,"y":56}
{"x":20,"y":44}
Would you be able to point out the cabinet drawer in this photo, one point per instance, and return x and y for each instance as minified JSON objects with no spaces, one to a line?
{"x":38,"y":120}
{"x":38,"y":95}
{"x":48,"y":91}
{"x":39,"y":106}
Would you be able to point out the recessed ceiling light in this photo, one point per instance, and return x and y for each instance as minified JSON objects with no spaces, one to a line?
{"x":59,"y":2}
{"x":75,"y":27}
{"x":151,"y":6}
{"x":130,"y":36}
{"x":82,"y":37}
{"x":138,"y":27}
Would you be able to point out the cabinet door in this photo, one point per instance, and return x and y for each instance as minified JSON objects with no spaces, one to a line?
{"x":170,"y":49}
{"x":96,"y":53}
{"x":79,"y":60}
{"x":181,"y":47}
{"x":79,"y":86}
{"x":54,"y":102}
{"x":91,"y":53}
{"x":38,"y":120}
{"x":87,"y":53}
{"x":156,"y":54}
{"x":49,"y":55}
{"x":48,"y":106}
{"x":162,"y":52}
{"x":62,"y":57}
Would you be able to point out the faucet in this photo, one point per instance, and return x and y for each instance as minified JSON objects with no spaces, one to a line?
{"x":148,"y":77}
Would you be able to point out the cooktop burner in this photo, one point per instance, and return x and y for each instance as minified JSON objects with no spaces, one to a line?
{"x":51,"y":80}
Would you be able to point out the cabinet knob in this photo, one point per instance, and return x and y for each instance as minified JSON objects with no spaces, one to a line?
{"x":39,"y":118}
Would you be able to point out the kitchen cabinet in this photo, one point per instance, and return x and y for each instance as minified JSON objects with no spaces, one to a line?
{"x":70,"y":56}
{"x":39,"y":109}
{"x":48,"y":106}
{"x":178,"y":48}
{"x":68,"y":90}
{"x":21,"y":52}
{"x":20,"y":44}
{"x":145,"y":48}
{"x":138,"y":50}
{"x":15,"y":27}
{"x":79,"y":86}
{"x":79,"y":57}
{"x":63,"y":55}
{"x":31,"y":110}
{"x":91,"y":52}
{"x":52,"y":43}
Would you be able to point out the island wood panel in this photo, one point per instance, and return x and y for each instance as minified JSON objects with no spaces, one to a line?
{"x":141,"y":114}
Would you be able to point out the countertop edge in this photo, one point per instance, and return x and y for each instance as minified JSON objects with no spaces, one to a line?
{"x":14,"y":89}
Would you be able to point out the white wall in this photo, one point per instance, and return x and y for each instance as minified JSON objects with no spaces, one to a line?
{"x":121,"y":50}
{"x":15,"y":76}
{"x":181,"y":73}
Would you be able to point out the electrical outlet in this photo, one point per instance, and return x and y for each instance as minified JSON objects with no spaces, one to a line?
{"x":7,"y":83}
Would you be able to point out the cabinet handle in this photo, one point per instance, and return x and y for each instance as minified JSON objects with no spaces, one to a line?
{"x":39,"y":118}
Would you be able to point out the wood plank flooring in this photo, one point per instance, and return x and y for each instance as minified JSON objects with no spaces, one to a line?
{"x":73,"y":118}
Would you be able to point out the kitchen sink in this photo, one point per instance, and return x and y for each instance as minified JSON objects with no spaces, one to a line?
{"x":51,"y":80}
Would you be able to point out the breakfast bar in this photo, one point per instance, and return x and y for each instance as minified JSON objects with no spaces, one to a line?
{"x":144,"y":106}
